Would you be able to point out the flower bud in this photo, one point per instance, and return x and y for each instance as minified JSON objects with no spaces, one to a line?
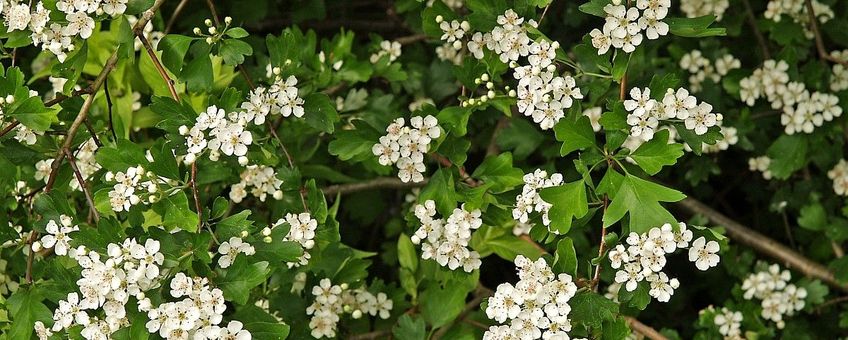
{"x":484,"y":99}
{"x":242,"y":160}
{"x":267,"y":239}
{"x":208,"y":22}
{"x":356,"y":314}
{"x":197,"y":31}
{"x":228,"y":20}
{"x":212,"y":30}
{"x":490,"y":94}
{"x":36,"y":246}
{"x":471,"y":101}
{"x":183,"y":130}
{"x":10,"y":99}
{"x":512,"y":93}
{"x":457,"y":45}
{"x":209,"y":40}
{"x":278,"y":195}
{"x":485,"y":77}
{"x":344,"y":286}
{"x":244,"y":233}
{"x":465,"y":26}
{"x":266,"y":231}
{"x":439,"y":19}
{"x":490,"y":85}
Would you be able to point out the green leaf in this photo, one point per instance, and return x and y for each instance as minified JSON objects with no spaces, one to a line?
{"x":657,"y":153}
{"x":619,"y":66}
{"x":408,"y":328}
{"x":499,"y":173}
{"x":237,"y":32}
{"x":407,"y":256}
{"x":788,"y":154}
{"x":659,"y":84}
{"x":565,"y":259}
{"x":568,"y":203}
{"x":32,"y":113}
{"x":640,"y":199}
{"x":320,"y":113}
{"x":574,"y":135}
{"x":174,"y":48}
{"x":616,"y":329}
{"x":262,"y":326}
{"x":595,"y":7}
{"x":441,"y":190}
{"x":198,"y":74}
{"x":355,"y":143}
{"x":694,"y":27}
{"x":521,"y":137}
{"x":813,"y":217}
{"x":639,"y":298}
{"x":592,"y":310}
{"x":26,"y":308}
{"x":233,"y":51}
{"x":455,"y":119}
{"x":178,"y":214}
{"x":441,"y":305}
{"x":237,"y":280}
{"x":509,"y":246}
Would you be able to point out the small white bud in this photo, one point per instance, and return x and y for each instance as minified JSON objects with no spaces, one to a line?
{"x":490,"y":94}
{"x":465,"y":26}
{"x":228,"y":20}
{"x":183,"y":130}
{"x":477,"y":81}
{"x":457,"y":45}
{"x":289,"y":61}
{"x":464,"y":103}
{"x":551,"y":68}
{"x":439,"y":19}
{"x":209,"y":40}
{"x":278,"y":195}
{"x":10,"y":99}
{"x":719,"y":117}
{"x":190,"y":158}
{"x":134,"y":199}
{"x":266,"y":231}
{"x":242,"y":160}
{"x":36,"y":246}
{"x":344,"y":286}
{"x":357,"y":314}
{"x":212,"y":30}
{"x":490,"y":85}
{"x":244,"y":233}
{"x":267,"y":239}
{"x":485,"y":77}
{"x":512,"y":93}
{"x":197,"y":31}
{"x":484,"y":99}
{"x":471,"y":101}
{"x":152,"y":199}
{"x":2,"y":101}
{"x":208,"y":22}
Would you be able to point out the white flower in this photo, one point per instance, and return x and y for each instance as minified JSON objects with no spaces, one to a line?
{"x":703,"y":253}
{"x":701,"y":119}
{"x":230,"y":249}
{"x":641,"y":101}
{"x":17,"y":17}
{"x":79,"y":23}
{"x":58,"y":236}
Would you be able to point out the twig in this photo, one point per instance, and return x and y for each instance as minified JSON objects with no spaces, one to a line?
{"x":545,"y":11}
{"x":830,"y":303}
{"x":175,"y":15}
{"x":788,"y":230}
{"x":159,"y":68}
{"x":83,"y":185}
{"x":752,"y":21}
{"x":763,"y":244}
{"x":196,"y":196}
{"x":601,"y":247}
{"x":109,"y":108}
{"x":462,"y":173}
{"x":411,"y":39}
{"x":33,"y":235}
{"x":376,"y":183}
{"x":290,"y":160}
{"x":648,"y":331}
{"x":371,"y":335}
{"x":92,"y":133}
{"x":10,"y":127}
{"x":814,"y":23}
{"x":493,"y":148}
{"x":242,"y":70}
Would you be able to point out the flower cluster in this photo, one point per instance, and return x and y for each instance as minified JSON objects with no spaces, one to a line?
{"x":760,"y":164}
{"x":839,"y":76}
{"x":700,"y":68}
{"x":542,"y":94}
{"x":405,"y":146}
{"x":446,"y":241}
{"x":802,"y":111}
{"x":131,"y":187}
{"x":623,"y":27}
{"x":57,"y":236}
{"x":301,"y":230}
{"x":333,"y":300}
{"x":196,"y":316}
{"x":57,"y":36}
{"x":529,"y":199}
{"x":226,"y":133}
{"x":778,"y":297}
{"x":281,"y":98}
{"x":729,"y":324}
{"x":797,"y":10}
{"x":699,"y":8}
{"x":839,"y":175}
{"x":646,"y":113}
{"x":645,"y":257}
{"x":262,"y":181}
{"x":392,"y":49}
{"x":452,"y":34}
{"x":536,"y":307}
{"x":129,"y":270}
{"x":231,"y":248}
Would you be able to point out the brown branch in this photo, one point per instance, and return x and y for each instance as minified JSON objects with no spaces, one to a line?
{"x":139,"y":32}
{"x":371,"y":335}
{"x":242,"y":70}
{"x":175,"y":15}
{"x":83,"y":185}
{"x":597,"y":277}
{"x":89,"y":101}
{"x":462,"y":173}
{"x":33,"y":235}
{"x":273,"y":131}
{"x":92,"y":133}
{"x":752,"y":21}
{"x":493,"y":148}
{"x":376,"y":183}
{"x":763,"y":244}
{"x":814,"y":24}
{"x":9,"y":128}
{"x":410,"y":39}
{"x":648,"y":331}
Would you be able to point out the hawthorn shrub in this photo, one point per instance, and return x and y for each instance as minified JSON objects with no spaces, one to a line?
{"x":440,"y":169}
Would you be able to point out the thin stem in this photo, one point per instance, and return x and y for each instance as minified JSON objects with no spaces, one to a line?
{"x":290,"y":160}
{"x":91,"y":132}
{"x":596,"y":279}
{"x":83,"y":185}
{"x":376,"y":183}
{"x":9,"y":128}
{"x":109,"y":109}
{"x":159,"y":68}
{"x":648,"y":331}
{"x":752,"y":21}
{"x":174,"y":16}
{"x":814,"y":24}
{"x":196,"y":196}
